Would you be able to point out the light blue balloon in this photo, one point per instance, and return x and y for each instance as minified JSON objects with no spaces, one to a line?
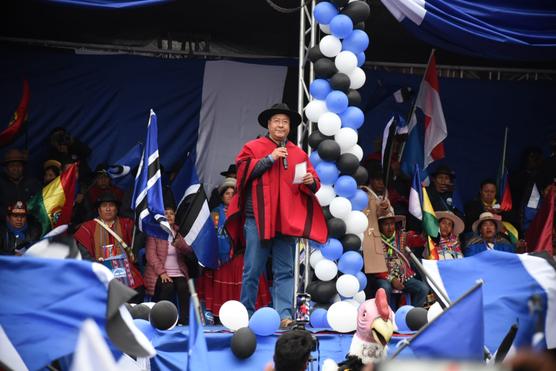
{"x":341,"y":26}
{"x":359,"y":201}
{"x":146,"y":328}
{"x":345,"y":186}
{"x":318,"y":318}
{"x":356,"y":42}
{"x":400,"y":315}
{"x":337,"y":101}
{"x":352,"y":117}
{"x":362,"y":278}
{"x":265,"y":321}
{"x":320,"y":88}
{"x":324,"y":12}
{"x":361,"y":59}
{"x":333,"y":249}
{"x":315,"y":158}
{"x":327,"y":172}
{"x":350,"y":263}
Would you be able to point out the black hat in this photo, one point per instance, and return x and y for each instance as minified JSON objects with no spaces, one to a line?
{"x":101,"y":169}
{"x":443,"y":169}
{"x":107,"y":197}
{"x":232,"y":169}
{"x":277,"y":108}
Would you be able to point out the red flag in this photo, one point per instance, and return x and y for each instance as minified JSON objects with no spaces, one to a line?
{"x":14,"y":127}
{"x":506,"y":195}
{"x":428,"y":100}
{"x":539,"y":234}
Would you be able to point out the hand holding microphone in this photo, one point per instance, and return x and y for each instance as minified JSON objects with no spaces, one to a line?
{"x":281,"y":152}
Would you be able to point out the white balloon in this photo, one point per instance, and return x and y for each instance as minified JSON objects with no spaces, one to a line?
{"x":346,"y":138}
{"x":233,"y":315}
{"x":347,"y":285}
{"x":346,"y":62}
{"x":326,"y":270}
{"x":434,"y":311}
{"x":330,"y":46}
{"x":340,"y":207}
{"x":342,"y":317}
{"x":315,"y":258}
{"x":353,"y":302}
{"x":360,"y":296}
{"x":356,"y":222}
{"x":329,"y":123}
{"x":325,"y":28}
{"x":314,"y":109}
{"x":356,"y":150}
{"x":329,"y":365}
{"x":325,"y":194}
{"x":356,"y":78}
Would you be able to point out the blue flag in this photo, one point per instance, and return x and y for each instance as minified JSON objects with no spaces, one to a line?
{"x":120,"y":170}
{"x":46,"y":301}
{"x":193,"y":215}
{"x":147,"y":194}
{"x":198,"y":352}
{"x":414,"y":149}
{"x":510,"y":281}
{"x":457,"y":333}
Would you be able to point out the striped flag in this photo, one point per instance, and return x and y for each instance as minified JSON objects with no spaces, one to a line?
{"x":428,"y":100}
{"x":532,"y":207}
{"x":510,"y":281}
{"x":193,"y":215}
{"x":53,"y":205}
{"x":147,"y":193}
{"x":416,"y":195}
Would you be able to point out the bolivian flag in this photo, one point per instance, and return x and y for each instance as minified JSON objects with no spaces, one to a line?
{"x":430,"y":224}
{"x":20,"y":115}
{"x":53,"y":205}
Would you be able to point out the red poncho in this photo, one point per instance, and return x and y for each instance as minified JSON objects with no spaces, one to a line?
{"x":279,"y":205}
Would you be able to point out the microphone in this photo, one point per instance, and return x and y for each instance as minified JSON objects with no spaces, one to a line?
{"x":284,"y":159}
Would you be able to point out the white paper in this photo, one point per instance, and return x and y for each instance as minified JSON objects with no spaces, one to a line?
{"x":300,"y":171}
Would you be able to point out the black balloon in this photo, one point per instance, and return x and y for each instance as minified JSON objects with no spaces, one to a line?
{"x":340,"y":3}
{"x":326,"y":212}
{"x":140,"y":311}
{"x":361,"y":175}
{"x":336,"y":228}
{"x":325,"y":68}
{"x":358,"y":11}
{"x":164,"y":315}
{"x":340,"y":81}
{"x":322,"y":292}
{"x":359,"y":26}
{"x":351,"y":242}
{"x":316,"y":137}
{"x":347,"y":163}
{"x":354,"y":98}
{"x":244,"y":343}
{"x":416,"y":318}
{"x":314,"y":54}
{"x":329,"y":150}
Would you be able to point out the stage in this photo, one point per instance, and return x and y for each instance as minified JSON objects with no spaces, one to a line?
{"x":171,"y":347}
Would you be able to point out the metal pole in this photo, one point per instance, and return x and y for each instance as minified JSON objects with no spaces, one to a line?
{"x":196,"y":303}
{"x":444,"y":300}
{"x":301,"y":71}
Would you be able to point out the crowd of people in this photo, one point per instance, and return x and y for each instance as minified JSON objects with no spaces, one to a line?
{"x":258,"y":211}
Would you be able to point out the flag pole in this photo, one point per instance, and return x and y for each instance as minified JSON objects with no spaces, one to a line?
{"x":502,"y":163}
{"x":444,"y":300}
{"x":390,"y":150}
{"x":407,"y":342}
{"x":414,"y":105}
{"x":196,"y":303}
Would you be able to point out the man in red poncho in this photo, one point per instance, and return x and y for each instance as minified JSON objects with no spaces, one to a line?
{"x":269,"y":210}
